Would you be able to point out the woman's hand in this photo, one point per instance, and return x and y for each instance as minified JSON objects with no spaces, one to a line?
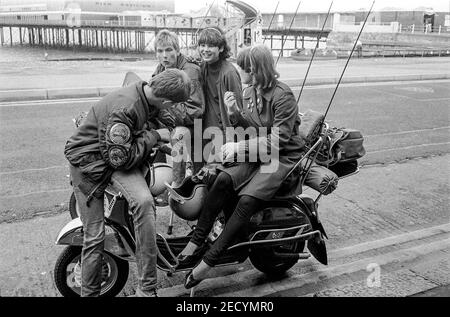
{"x":164,"y":134}
{"x":230,"y":102}
{"x":228,"y":151}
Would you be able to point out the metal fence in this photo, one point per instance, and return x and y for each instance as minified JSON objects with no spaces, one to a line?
{"x":424,"y":29}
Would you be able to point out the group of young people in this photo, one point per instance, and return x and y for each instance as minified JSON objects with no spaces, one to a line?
{"x":120,"y":131}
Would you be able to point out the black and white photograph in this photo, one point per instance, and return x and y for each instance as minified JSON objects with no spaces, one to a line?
{"x":227,"y":155}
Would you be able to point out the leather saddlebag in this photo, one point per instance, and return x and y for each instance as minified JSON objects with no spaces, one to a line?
{"x":344,"y":145}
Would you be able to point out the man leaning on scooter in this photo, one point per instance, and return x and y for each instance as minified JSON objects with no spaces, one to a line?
{"x":112,"y":144}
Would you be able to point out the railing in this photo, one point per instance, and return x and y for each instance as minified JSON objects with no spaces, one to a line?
{"x":396,"y":52}
{"x":369,"y":28}
{"x":11,"y":22}
{"x":110,"y":23}
{"x":100,"y":23}
{"x":163,"y":23}
{"x":393,"y":27}
{"x":413,"y":28}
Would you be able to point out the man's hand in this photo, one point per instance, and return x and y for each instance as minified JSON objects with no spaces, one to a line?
{"x":79,"y":119}
{"x":193,"y":60}
{"x":164,"y":134}
{"x":230,"y":102}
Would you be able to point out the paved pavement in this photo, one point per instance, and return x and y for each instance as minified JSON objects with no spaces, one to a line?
{"x":438,"y":291}
{"x":400,"y":265}
{"x":365,"y":213}
{"x":75,"y":79}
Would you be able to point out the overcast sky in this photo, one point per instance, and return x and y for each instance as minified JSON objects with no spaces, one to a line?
{"x":320,"y":5}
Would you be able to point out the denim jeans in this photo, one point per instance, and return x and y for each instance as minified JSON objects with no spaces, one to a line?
{"x":182,"y":141}
{"x":135,"y":190}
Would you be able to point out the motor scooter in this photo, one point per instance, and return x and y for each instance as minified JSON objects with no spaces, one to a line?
{"x":276,"y":235}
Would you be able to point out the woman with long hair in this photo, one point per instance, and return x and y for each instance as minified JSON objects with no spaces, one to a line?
{"x":255,"y":169}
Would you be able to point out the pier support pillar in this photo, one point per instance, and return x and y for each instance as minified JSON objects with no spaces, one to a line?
{"x":282,"y":48}
{"x":113,"y":40}
{"x":29,"y":37}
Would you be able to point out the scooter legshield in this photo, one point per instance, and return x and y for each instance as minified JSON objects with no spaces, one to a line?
{"x":316,"y":246}
{"x":318,"y":249}
{"x":71,"y":233}
{"x":115,"y":241}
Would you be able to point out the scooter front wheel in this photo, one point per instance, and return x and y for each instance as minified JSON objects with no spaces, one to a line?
{"x":73,"y":207}
{"x":67,"y":273}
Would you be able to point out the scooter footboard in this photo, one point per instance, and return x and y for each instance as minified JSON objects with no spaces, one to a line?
{"x":168,"y":249}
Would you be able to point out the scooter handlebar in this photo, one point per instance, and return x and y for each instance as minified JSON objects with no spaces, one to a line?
{"x":160,"y":147}
{"x":165,"y":148}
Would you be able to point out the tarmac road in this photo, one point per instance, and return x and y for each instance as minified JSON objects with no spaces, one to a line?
{"x":41,"y":74}
{"x":399,"y":120}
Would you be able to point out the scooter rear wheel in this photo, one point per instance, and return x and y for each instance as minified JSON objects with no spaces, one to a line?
{"x":67,"y":273}
{"x":267,"y":261}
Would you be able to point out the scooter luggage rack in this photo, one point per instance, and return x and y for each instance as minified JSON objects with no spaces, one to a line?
{"x":311,"y":151}
{"x":252,"y":242}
